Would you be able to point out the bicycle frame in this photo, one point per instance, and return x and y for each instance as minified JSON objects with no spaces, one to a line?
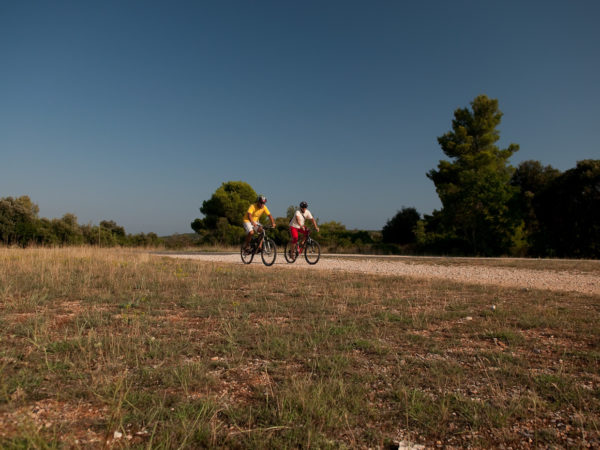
{"x":307,"y":240}
{"x":258,"y":239}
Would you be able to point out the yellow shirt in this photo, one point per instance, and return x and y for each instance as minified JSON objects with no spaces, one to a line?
{"x":256,"y":212}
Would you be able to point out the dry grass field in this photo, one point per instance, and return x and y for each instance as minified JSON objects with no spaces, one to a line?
{"x":124,"y":349}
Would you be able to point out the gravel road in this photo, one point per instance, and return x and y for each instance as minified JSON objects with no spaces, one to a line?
{"x":568,"y":281}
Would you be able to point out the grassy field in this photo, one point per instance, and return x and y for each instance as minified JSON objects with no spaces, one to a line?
{"x":118,"y":348}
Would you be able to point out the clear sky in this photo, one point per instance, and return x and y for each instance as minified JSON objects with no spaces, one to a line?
{"x":137,"y":111}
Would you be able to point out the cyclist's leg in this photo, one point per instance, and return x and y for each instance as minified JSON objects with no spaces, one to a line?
{"x":249,"y":233}
{"x":294,"y":241}
{"x":304,"y":232}
{"x":260,"y":238}
{"x":294,"y":234}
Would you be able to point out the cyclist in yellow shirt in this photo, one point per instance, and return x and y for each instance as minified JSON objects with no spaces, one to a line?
{"x":253,"y":215}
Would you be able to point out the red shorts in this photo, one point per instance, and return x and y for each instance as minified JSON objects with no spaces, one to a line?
{"x":294,"y":232}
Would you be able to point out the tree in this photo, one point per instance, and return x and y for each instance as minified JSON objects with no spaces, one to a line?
{"x":400,"y":229}
{"x":18,"y":220}
{"x":45,"y":233}
{"x":532,"y":179}
{"x":569,"y":212}
{"x":67,"y":230}
{"x":224,"y":213}
{"x":112,"y":227}
{"x":474,"y":187}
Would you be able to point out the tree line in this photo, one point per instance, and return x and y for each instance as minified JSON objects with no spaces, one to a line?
{"x":490,"y":208}
{"x":21,"y":226}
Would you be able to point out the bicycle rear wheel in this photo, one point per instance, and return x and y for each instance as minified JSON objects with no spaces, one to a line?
{"x":290,"y":252}
{"x":247,"y":256}
{"x":312,"y":252}
{"x":269,"y":252}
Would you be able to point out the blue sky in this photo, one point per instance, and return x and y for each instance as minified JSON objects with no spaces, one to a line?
{"x":137,"y":111}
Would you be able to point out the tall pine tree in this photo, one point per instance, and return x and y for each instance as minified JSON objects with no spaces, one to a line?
{"x":474,"y":187}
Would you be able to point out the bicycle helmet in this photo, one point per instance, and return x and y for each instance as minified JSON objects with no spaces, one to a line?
{"x":303,"y":205}
{"x":261,"y":199}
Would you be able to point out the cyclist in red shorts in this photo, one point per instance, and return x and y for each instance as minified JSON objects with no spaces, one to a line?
{"x":297,"y":223}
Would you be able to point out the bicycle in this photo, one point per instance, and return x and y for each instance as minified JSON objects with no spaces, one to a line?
{"x":310,"y":247}
{"x":260,"y":243}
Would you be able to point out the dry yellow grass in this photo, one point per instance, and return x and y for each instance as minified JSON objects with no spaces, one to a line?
{"x":104,"y":347}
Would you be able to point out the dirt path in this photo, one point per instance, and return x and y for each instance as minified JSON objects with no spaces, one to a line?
{"x":568,"y":281}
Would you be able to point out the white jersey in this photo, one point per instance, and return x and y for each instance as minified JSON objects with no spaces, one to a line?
{"x":299,"y":218}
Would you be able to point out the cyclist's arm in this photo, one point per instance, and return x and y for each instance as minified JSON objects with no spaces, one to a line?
{"x":315,"y":224}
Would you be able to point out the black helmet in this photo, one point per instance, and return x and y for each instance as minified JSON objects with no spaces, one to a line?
{"x":303,"y":205}
{"x":261,"y":199}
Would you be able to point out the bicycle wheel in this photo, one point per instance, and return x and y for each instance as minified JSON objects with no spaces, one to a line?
{"x":269,"y":252}
{"x":312,"y":252}
{"x":291,"y":252}
{"x":247,"y":256}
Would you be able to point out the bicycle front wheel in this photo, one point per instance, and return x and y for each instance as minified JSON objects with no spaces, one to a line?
{"x":269,"y":252}
{"x":291,"y":253}
{"x":312,"y":252}
{"x":247,"y":256}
